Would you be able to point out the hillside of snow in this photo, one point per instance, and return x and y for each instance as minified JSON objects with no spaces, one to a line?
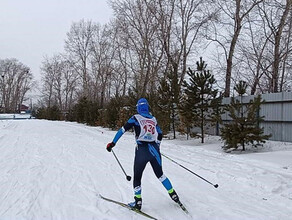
{"x":55,"y":170}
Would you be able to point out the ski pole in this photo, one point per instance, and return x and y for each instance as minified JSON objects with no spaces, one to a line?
{"x":215,"y":185}
{"x":127,"y":177}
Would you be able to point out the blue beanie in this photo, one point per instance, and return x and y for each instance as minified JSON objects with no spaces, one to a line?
{"x":142,"y":106}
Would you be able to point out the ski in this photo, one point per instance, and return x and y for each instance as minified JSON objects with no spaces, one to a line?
{"x":183,"y":207}
{"x":127,"y":206}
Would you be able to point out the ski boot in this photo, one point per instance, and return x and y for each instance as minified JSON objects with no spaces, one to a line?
{"x":173,"y":195}
{"x":175,"y":198}
{"x":137,"y":204}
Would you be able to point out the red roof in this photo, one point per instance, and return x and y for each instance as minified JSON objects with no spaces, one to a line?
{"x":23,"y":107}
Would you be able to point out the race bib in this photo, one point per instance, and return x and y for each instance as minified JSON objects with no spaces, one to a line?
{"x":148,"y":128}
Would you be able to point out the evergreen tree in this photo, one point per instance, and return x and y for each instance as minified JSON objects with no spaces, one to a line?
{"x":50,"y":113}
{"x":164,"y":105}
{"x":123,"y":116}
{"x":202,"y":97}
{"x":168,"y":96}
{"x":186,"y":115}
{"x":85,"y":111}
{"x":131,"y":101}
{"x":53,"y":113}
{"x":41,"y":113}
{"x":112,"y":112}
{"x":127,"y":108}
{"x":244,"y":127}
{"x":174,"y":98}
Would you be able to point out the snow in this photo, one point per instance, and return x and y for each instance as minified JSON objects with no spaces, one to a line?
{"x":55,"y":170}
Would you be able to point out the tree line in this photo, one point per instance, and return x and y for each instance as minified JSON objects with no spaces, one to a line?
{"x":150,"y":49}
{"x":149,"y":40}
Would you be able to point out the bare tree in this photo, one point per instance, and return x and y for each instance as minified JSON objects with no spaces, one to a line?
{"x":276,"y":14}
{"x":286,"y":76}
{"x":226,"y":30}
{"x":70,"y":85}
{"x":137,"y":28}
{"x":103,"y":52}
{"x":123,"y":60}
{"x":180,"y":23}
{"x":253,"y":53}
{"x":77,"y":45}
{"x":16,"y":81}
{"x":49,"y":71}
{"x":60,"y":82}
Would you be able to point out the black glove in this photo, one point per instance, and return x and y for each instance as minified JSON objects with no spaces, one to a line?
{"x":110,"y":146}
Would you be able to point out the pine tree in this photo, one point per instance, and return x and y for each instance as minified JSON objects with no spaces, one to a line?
{"x":50,"y":113}
{"x":168,"y":96}
{"x":130,"y":102}
{"x":244,"y":128}
{"x":53,"y":113}
{"x":85,"y":111}
{"x":123,"y":116}
{"x":203,"y":98}
{"x":127,"y":108}
{"x":163,"y":105}
{"x":112,"y":112}
{"x":186,"y":116}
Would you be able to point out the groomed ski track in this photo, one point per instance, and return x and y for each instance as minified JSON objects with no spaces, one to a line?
{"x":54,"y":170}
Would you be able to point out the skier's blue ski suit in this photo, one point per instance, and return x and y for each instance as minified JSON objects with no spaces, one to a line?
{"x":148,"y":137}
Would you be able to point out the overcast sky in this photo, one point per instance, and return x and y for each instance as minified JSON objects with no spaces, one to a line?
{"x":31,"y":29}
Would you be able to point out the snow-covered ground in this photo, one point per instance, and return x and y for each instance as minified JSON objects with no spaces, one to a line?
{"x":55,"y":170}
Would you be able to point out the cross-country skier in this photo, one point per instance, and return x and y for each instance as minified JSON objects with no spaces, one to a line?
{"x":148,"y":137}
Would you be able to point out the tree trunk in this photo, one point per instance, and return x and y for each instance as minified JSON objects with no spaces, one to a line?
{"x":277,"y":53}
{"x":230,"y":58}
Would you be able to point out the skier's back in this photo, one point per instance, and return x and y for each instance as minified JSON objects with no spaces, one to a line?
{"x":148,"y":137}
